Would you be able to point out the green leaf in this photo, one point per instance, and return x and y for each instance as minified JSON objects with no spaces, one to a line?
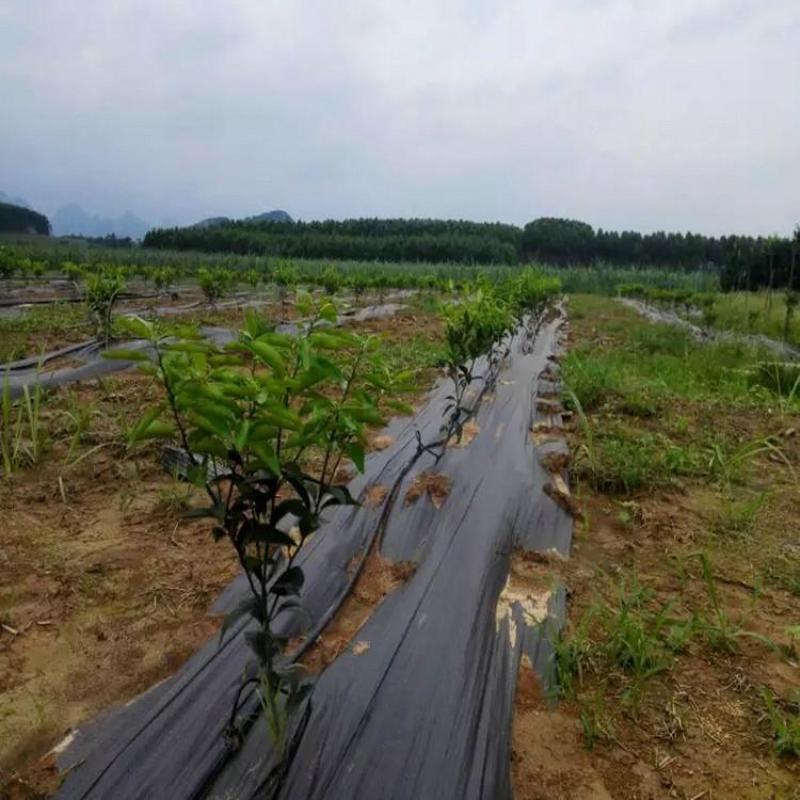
{"x":308,"y":523}
{"x":326,"y":367}
{"x":138,"y":327}
{"x":306,"y":379}
{"x":356,"y":453}
{"x":400,"y":407}
{"x":213,"y":427}
{"x":290,"y":506}
{"x":326,"y":341}
{"x":253,"y":564}
{"x":218,"y":533}
{"x":217,"y":512}
{"x":281,"y":417}
{"x":201,"y":442}
{"x":123,"y":354}
{"x":281,"y":340}
{"x":267,"y":456}
{"x":187,"y":347}
{"x":305,"y":358}
{"x":240,"y":439}
{"x":364,"y":413}
{"x":340,"y":495}
{"x":147,"y":419}
{"x":328,"y":312}
{"x":270,"y":356}
{"x":225,"y":360}
{"x":188,"y":332}
{"x":157,"y":429}
{"x":259,"y":532}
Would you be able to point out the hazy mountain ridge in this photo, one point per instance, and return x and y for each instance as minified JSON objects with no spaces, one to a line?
{"x":72,"y":219}
{"x":276,"y":215}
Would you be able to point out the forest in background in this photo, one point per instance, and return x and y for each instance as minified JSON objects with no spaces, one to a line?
{"x":17,"y":219}
{"x":744,"y":262}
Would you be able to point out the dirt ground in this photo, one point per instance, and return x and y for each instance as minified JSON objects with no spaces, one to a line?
{"x":700,"y":729}
{"x":104,"y":588}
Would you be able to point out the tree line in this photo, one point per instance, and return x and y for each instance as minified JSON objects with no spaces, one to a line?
{"x":432,"y":241}
{"x":16,"y":219}
{"x":742,"y":261}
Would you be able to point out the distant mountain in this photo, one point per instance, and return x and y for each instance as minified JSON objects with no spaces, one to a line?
{"x":74,"y":220}
{"x":14,"y":201}
{"x":271,"y":216}
{"x":211,"y":222}
{"x":277,"y":215}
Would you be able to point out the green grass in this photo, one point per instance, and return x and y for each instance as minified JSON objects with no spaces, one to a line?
{"x":755,"y":312}
{"x":784,"y":724}
{"x":625,"y":460}
{"x":22,"y":435}
{"x":632,"y":384}
{"x":417,"y":355}
{"x":739,"y":518}
{"x":646,"y":364}
{"x":604,"y":279}
{"x":65,"y":321}
{"x":628,"y":637}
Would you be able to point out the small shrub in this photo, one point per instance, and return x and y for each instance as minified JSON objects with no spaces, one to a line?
{"x":103,"y":289}
{"x":331,"y":280}
{"x":248,"y":416}
{"x":252,"y":278}
{"x":214,"y":283}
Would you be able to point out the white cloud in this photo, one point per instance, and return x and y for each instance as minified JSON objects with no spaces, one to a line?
{"x":667,"y":114}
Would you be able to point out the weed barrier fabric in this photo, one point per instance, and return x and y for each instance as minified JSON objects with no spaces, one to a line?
{"x":422,"y":706}
{"x":166,"y":741}
{"x":425,"y":710}
{"x":32,"y":371}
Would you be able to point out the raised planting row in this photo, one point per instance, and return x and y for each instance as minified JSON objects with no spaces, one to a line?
{"x":424,"y":501}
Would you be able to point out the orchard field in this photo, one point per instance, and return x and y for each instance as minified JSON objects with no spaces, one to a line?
{"x":340,"y":525}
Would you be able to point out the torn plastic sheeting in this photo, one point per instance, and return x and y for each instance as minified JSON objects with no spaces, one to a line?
{"x":434,"y":634}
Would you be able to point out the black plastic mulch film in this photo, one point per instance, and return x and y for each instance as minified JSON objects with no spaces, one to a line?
{"x":422,"y":708}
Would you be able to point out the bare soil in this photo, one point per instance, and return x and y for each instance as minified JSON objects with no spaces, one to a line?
{"x":105,"y":589}
{"x":700,"y":729}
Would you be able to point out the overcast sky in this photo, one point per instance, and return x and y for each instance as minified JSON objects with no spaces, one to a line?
{"x":643,"y":114}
